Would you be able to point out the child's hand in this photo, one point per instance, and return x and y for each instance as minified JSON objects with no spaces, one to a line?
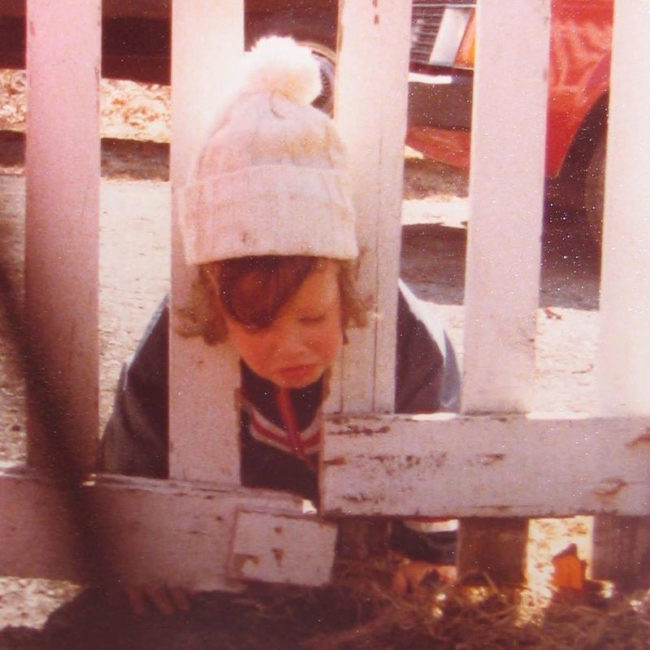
{"x":167,"y":600}
{"x":411,"y":574}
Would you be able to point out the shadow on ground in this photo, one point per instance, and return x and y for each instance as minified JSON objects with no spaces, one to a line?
{"x":433,"y":253}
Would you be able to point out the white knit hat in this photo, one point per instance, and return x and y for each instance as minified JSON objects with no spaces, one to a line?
{"x":271,"y":177}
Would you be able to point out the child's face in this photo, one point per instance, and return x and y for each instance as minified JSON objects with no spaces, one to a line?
{"x":303,"y":340}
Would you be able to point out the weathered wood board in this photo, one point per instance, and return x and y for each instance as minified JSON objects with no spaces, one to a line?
{"x":287,"y":549}
{"x":37,"y":534}
{"x":157,"y":532}
{"x":486,"y":466}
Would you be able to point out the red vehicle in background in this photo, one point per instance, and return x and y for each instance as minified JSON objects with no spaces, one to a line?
{"x":442,"y":58}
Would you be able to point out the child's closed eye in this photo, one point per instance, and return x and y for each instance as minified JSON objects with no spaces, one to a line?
{"x":313,"y":319}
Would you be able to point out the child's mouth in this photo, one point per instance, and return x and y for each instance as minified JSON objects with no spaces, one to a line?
{"x":293,"y":374}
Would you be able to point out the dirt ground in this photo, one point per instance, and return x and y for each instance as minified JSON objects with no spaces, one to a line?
{"x":134,"y":275}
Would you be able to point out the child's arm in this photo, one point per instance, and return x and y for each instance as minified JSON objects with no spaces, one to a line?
{"x":427,"y":374}
{"x":135,"y":437}
{"x":427,"y":380}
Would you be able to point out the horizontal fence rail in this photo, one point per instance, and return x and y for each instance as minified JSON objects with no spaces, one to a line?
{"x":486,"y":466}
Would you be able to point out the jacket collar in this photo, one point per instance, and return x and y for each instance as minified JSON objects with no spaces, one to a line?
{"x":261,"y":394}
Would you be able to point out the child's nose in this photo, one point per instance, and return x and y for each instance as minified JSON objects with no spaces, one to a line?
{"x":291,"y":341}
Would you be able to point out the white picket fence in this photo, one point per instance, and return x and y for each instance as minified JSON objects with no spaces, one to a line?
{"x":201,"y":528}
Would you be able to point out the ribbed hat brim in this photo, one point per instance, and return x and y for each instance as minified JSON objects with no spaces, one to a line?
{"x":268,"y":210}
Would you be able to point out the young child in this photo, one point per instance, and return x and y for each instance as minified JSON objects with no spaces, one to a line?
{"x":267,"y":221}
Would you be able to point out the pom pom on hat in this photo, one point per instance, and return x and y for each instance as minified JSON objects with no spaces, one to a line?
{"x":271,"y":177}
{"x":279,"y":64}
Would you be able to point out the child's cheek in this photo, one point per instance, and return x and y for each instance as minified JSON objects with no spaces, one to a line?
{"x":247,"y":345}
{"x":330,"y":344}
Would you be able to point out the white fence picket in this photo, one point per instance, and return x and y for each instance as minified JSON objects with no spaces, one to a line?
{"x":38,"y":536}
{"x":371,"y":118}
{"x":208,"y":38}
{"x":506,"y":205}
{"x":623,"y":358}
{"x":62,"y":215}
{"x":624,"y":347}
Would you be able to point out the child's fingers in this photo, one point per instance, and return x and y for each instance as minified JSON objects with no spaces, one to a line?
{"x":137,"y":599}
{"x":167,"y":600}
{"x":400,"y":584}
{"x":180,"y":598}
{"x":161,"y":599}
{"x":412,"y":573}
{"x":447,"y":574}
